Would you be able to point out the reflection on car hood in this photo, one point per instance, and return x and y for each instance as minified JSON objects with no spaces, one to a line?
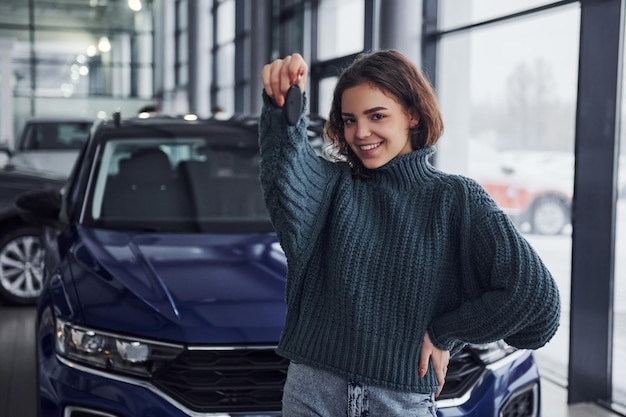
{"x":192,"y":288}
{"x":57,"y":162}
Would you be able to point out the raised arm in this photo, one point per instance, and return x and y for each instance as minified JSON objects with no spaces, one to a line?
{"x":296,"y":181}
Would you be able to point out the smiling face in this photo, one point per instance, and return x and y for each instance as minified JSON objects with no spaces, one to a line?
{"x":376,"y":126}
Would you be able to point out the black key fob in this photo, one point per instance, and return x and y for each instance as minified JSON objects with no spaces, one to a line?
{"x":293,"y":105}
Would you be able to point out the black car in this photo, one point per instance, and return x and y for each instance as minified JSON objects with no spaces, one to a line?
{"x":21,"y":256}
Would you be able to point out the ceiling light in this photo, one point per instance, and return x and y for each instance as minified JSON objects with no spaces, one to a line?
{"x":134,"y":5}
{"x":104,"y":45}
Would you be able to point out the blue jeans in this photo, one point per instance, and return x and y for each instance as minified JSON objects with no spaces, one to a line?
{"x":314,"y":392}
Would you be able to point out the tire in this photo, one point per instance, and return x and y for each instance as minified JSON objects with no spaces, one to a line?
{"x":549,"y":215}
{"x":21,"y":265}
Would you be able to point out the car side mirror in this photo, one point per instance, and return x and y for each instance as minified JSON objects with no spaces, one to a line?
{"x":6,"y":149}
{"x":41,"y":207}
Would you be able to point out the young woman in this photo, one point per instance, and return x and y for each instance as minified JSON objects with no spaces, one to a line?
{"x":393,"y":265}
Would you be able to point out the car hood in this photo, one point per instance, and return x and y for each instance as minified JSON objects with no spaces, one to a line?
{"x":188,"y":288}
{"x":55,"y":162}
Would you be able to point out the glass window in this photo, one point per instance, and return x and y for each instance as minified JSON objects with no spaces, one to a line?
{"x":293,"y":30}
{"x":326,"y":90}
{"x":9,"y":14}
{"x":225,"y":22}
{"x":182,"y":43}
{"x":225,"y":64}
{"x":224,"y":56}
{"x":454,"y":13}
{"x":619,"y":302}
{"x":62,"y":65}
{"x":225,"y":99}
{"x":147,"y":181}
{"x":75,"y":54}
{"x":508,"y":97}
{"x":340,"y":28}
{"x":59,"y":134}
{"x":21,"y":70}
{"x":80,"y":15}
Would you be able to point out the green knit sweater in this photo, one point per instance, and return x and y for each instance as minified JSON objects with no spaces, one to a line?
{"x":374,"y":264}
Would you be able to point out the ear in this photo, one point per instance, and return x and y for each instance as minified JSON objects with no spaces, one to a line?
{"x":414,"y":121}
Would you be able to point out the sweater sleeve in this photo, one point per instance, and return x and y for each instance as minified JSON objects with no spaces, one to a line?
{"x":294,"y":179}
{"x":508,"y":291}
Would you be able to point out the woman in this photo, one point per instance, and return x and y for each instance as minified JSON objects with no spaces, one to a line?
{"x":393,"y":265}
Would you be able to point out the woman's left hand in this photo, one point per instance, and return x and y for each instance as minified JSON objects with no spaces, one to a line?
{"x":439,"y":358}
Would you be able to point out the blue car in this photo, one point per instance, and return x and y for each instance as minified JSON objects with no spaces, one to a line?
{"x":164,"y":284}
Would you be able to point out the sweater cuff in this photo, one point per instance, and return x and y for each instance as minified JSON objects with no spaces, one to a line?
{"x":268,"y":100}
{"x":271,"y":105}
{"x":440,"y":343}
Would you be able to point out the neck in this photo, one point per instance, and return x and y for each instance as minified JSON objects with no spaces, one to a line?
{"x":405,"y":170}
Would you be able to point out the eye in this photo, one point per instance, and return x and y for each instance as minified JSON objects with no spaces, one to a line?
{"x":348,"y":122}
{"x":378,"y":116}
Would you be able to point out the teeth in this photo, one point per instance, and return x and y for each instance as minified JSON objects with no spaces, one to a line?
{"x":370,"y":147}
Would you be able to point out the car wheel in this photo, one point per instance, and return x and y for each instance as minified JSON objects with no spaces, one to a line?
{"x":21,"y":265}
{"x":549,"y":216}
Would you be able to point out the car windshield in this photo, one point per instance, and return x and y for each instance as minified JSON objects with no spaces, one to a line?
{"x":56,"y":135}
{"x":179,"y":184}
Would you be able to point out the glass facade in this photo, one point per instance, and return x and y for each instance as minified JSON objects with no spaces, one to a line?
{"x":335,"y":37}
{"x":481,"y":10}
{"x":63,"y":54}
{"x":181,"y":71}
{"x":508,"y":96}
{"x":225,"y":17}
{"x":225,"y":77}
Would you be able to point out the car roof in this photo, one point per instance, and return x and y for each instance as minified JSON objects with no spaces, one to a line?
{"x":182,"y":123}
{"x":60,"y":119}
{"x":177,"y":121}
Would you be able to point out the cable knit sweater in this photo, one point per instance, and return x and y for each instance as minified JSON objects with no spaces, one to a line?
{"x":374,"y":264}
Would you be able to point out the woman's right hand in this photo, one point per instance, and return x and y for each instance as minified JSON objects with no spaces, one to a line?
{"x":278,"y":75}
{"x":439,"y":359}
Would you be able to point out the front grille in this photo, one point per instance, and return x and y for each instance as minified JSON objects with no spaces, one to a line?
{"x":252,"y":379}
{"x":463,"y":371}
{"x":226,"y":380}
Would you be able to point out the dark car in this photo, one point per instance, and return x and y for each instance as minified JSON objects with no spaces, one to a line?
{"x":49,"y":144}
{"x":21,"y":256}
{"x":164,"y":284}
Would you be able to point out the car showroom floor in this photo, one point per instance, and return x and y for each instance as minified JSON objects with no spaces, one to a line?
{"x":17,"y":372}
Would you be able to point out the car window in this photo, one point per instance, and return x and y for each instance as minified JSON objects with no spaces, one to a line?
{"x":179,"y":184}
{"x":55,"y":136}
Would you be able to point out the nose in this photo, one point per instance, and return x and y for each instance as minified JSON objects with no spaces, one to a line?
{"x":362,"y":130}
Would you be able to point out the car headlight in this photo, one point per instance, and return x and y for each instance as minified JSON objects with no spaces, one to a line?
{"x":492,"y":352}
{"x":112,"y":352}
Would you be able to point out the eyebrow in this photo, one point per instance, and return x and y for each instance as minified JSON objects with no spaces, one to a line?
{"x":368,"y":111}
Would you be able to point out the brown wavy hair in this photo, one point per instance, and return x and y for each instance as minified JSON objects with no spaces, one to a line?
{"x":398,"y":77}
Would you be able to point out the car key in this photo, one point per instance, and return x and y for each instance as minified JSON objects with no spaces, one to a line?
{"x":293,"y":105}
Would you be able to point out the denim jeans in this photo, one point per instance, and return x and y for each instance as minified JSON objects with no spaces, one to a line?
{"x":312,"y":392}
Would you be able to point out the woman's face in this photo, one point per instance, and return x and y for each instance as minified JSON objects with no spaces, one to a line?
{"x":376,"y":126}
